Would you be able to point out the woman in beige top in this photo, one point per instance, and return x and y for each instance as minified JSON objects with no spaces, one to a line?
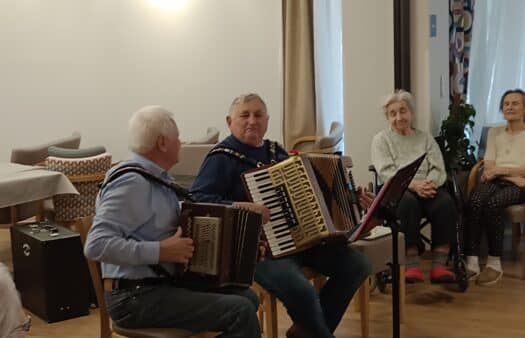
{"x":502,"y":184}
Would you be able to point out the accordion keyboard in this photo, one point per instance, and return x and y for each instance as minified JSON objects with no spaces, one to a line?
{"x":295,"y":215}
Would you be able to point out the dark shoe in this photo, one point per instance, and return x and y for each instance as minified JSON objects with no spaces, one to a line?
{"x":414,"y":275}
{"x":297,"y":331}
{"x":489,"y":276}
{"x":440,"y":274}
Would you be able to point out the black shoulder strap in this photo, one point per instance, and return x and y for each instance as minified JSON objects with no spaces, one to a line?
{"x":180,"y":191}
{"x":234,"y":153}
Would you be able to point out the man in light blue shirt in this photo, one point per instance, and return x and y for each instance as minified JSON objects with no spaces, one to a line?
{"x":136,"y":225}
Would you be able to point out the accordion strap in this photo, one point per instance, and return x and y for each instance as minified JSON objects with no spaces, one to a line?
{"x":180,"y":191}
{"x":234,"y":153}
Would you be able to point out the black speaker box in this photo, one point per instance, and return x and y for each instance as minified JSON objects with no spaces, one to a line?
{"x":50,"y":271}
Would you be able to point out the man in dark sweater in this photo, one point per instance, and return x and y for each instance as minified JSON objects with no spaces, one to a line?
{"x":219,"y":181}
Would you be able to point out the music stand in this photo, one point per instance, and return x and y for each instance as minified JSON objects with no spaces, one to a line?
{"x":385,"y":207}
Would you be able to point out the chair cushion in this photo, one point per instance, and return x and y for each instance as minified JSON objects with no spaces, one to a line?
{"x":516,"y":213}
{"x":70,"y":207}
{"x":55,"y":151}
{"x":379,"y":251}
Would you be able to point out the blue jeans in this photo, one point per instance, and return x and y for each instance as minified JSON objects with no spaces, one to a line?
{"x":234,"y":313}
{"x":318,"y":313}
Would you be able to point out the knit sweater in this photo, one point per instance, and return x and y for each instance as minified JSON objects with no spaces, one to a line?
{"x":391,"y":151}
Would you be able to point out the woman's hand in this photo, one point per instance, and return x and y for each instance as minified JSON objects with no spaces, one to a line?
{"x":365,"y":198}
{"x":491,"y":173}
{"x":423,"y":188}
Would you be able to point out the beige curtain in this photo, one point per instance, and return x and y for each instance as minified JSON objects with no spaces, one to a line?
{"x":299,"y":88}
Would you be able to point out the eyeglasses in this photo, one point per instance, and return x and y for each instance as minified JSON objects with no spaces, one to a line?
{"x":24,"y":327}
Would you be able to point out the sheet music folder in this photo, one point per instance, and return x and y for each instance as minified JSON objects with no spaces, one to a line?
{"x":388,"y":197}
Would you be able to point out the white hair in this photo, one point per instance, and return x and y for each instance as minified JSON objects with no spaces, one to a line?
{"x":11,"y":313}
{"x":146,"y":125}
{"x":398,"y":96}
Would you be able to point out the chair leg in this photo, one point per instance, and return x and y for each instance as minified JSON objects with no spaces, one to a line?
{"x":364,"y":307}
{"x":271,"y":316}
{"x":402,"y":294}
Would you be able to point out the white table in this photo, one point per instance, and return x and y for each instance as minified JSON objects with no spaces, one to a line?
{"x":21,"y":184}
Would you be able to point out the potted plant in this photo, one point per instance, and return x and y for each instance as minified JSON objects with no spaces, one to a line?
{"x":453,"y":139}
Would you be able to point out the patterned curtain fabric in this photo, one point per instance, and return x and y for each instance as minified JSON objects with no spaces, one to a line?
{"x":460,"y":33}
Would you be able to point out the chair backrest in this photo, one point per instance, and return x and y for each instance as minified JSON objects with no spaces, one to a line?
{"x":482,"y":145}
{"x":86,"y":174}
{"x":37,"y":154}
{"x":191,"y":157}
{"x":328,"y":144}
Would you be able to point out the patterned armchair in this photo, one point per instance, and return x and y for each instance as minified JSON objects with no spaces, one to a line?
{"x":86,"y":174}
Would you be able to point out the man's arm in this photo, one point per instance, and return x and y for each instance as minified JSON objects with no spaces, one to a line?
{"x":123,"y":207}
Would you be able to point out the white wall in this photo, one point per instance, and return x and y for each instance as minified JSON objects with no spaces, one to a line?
{"x":429,"y":63}
{"x":368,"y":68}
{"x":87,"y":65}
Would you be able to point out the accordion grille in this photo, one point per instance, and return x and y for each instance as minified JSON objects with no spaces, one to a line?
{"x":205,"y":232}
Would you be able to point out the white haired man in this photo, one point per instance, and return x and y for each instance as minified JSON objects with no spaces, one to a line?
{"x":135,"y":227}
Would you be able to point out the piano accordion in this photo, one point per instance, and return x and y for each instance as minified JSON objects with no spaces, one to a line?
{"x":311,"y":198}
{"x":226,"y":241}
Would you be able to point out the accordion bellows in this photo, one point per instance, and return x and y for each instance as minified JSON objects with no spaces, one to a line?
{"x":86,"y":174}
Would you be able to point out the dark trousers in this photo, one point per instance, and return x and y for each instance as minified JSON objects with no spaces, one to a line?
{"x":233,"y":313}
{"x":440,"y":210}
{"x":485,"y":214}
{"x":318,"y":313}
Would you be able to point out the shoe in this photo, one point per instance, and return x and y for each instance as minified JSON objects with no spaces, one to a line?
{"x":441,"y":274}
{"x":489,"y":276}
{"x":472,"y":275}
{"x":297,"y":331}
{"x":414,"y":275}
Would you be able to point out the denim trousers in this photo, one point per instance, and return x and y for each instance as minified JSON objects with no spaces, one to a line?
{"x":318,"y":313}
{"x":232,"y":311}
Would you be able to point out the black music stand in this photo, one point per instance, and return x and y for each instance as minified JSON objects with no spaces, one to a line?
{"x":384,"y":207}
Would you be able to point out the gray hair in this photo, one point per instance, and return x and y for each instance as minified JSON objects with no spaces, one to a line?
{"x":244,"y":98}
{"x":146,"y":125}
{"x":398,"y":96}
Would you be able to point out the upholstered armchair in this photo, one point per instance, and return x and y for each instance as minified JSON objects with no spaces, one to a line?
{"x":321,"y":144}
{"x":86,"y":174}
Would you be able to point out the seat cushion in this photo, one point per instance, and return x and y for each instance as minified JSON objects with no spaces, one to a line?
{"x":379,"y":251}
{"x":55,"y":151}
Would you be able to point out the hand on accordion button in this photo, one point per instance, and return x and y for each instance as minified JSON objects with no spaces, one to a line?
{"x":176,"y":249}
{"x":255,"y":207}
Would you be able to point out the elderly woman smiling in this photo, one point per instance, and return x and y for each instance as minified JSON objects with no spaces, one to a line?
{"x":397,"y":146}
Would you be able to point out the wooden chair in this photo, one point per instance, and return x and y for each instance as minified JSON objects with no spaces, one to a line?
{"x":109,"y":329}
{"x":515,"y":213}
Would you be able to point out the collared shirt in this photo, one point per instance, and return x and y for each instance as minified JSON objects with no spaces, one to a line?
{"x":133,"y":214}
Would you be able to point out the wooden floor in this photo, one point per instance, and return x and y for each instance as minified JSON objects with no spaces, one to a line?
{"x":432,"y":311}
